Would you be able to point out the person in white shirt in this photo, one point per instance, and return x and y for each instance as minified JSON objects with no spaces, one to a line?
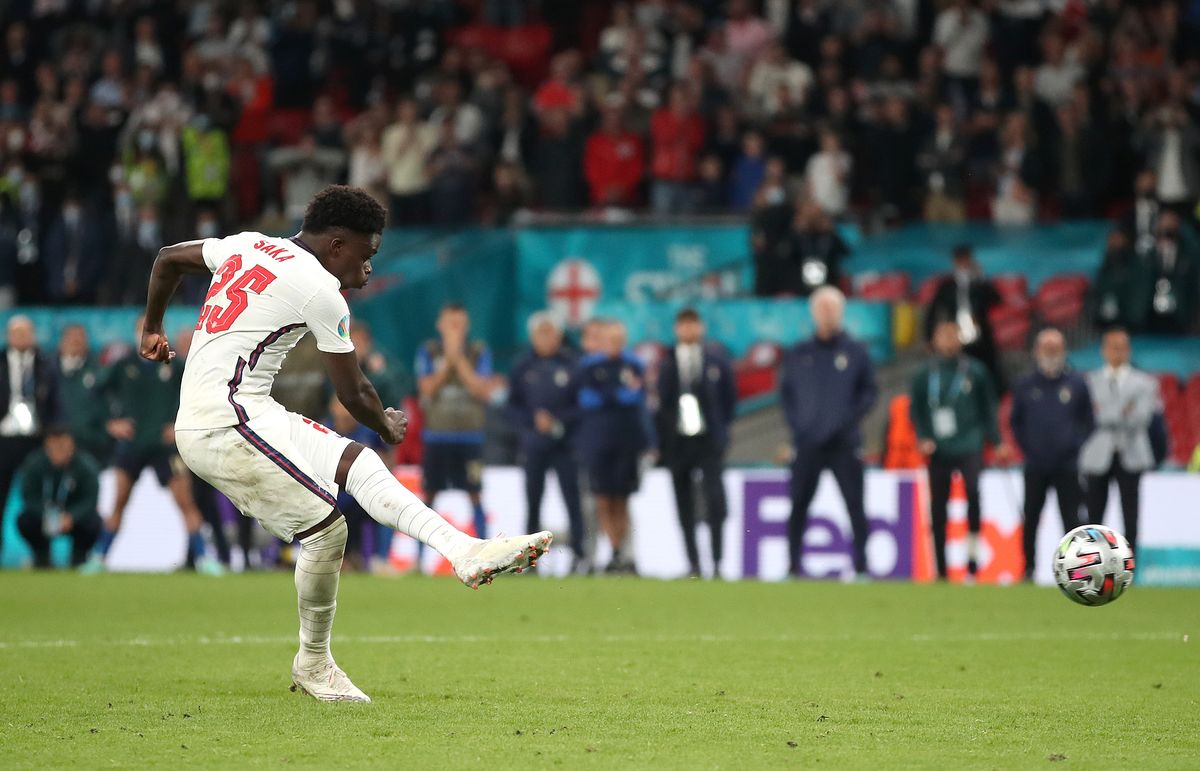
{"x":828,"y":175}
{"x":28,"y":400}
{"x":961,"y":32}
{"x":775,"y":72}
{"x":1125,"y":401}
{"x":281,"y":468}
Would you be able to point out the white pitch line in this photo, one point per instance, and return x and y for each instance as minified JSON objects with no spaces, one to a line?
{"x":144,"y":642}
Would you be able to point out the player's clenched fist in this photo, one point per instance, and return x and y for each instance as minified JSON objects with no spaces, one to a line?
{"x":397,"y":424}
{"x":155,"y":347}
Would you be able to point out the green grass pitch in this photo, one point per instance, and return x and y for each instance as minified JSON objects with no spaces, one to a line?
{"x":180,"y":671}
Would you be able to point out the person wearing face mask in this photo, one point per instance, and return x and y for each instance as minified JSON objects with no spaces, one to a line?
{"x":1051,"y":419}
{"x":1174,"y":264}
{"x":75,"y":255}
{"x":966,"y":297}
{"x":770,"y":220}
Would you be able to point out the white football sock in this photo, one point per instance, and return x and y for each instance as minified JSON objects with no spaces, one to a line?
{"x":317,"y":571}
{"x":393,"y":504}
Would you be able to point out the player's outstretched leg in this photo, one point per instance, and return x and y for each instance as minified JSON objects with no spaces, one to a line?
{"x":475,"y":561}
{"x":317,"y":571}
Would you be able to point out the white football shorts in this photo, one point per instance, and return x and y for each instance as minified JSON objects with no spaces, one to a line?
{"x":278,"y":467}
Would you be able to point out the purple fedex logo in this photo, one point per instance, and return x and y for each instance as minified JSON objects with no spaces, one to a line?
{"x":832,"y":535}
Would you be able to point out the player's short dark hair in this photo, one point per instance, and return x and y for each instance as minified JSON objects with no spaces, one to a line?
{"x":55,"y":430}
{"x":962,"y":251}
{"x":341,"y":206}
{"x":1115,"y":328}
{"x":687,"y":314}
{"x":454,"y":306}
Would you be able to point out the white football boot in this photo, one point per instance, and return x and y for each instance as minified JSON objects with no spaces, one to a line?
{"x":484,"y":560}
{"x":325,"y":682}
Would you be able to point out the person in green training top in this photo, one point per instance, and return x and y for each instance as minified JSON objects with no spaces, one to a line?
{"x":144,"y":397}
{"x":59,"y":489}
{"x":84,"y":410}
{"x":953,"y":408}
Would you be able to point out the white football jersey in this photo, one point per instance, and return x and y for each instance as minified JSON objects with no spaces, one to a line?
{"x":266,"y":294}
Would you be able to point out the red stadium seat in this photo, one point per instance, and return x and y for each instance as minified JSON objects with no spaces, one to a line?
{"x":756,"y":372}
{"x":1060,"y":299}
{"x":1013,"y":288}
{"x":928,"y":289}
{"x":886,"y":287}
{"x":1003,"y":415}
{"x":1010,"y":326}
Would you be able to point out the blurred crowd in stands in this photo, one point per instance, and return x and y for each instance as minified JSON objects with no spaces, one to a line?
{"x":125,"y":125}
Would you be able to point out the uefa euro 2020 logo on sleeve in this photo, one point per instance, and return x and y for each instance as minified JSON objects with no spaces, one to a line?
{"x":344,"y":327}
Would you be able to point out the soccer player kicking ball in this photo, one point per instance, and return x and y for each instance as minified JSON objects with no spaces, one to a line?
{"x":276,"y":466}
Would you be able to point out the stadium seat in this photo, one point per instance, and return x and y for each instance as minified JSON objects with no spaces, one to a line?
{"x":928,"y":289}
{"x":1013,"y":288}
{"x":1060,"y":299}
{"x":756,"y":373}
{"x":893,"y":286}
{"x":1003,"y":415}
{"x":1010,"y":326}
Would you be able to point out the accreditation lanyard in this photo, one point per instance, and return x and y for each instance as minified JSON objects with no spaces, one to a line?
{"x":60,"y":495}
{"x":956,"y":385}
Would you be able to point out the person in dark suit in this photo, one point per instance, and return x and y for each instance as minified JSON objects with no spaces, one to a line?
{"x":966,"y":297}
{"x":697,"y":397}
{"x":1051,"y":418}
{"x":827,"y":388}
{"x":28,"y":400}
{"x":542,"y":402}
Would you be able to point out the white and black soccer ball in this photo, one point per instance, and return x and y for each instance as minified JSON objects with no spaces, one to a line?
{"x":1093,"y":565}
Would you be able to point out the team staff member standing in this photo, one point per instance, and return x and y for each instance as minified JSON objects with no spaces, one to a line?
{"x":28,"y":400}
{"x":827,"y":388}
{"x":454,"y":383}
{"x":953,"y":408}
{"x":542,"y":401}
{"x":84,"y":408}
{"x":1051,"y":418}
{"x":1119,"y":449}
{"x":614,"y":431}
{"x":59,"y":490}
{"x":144,"y":397}
{"x":698,"y":397}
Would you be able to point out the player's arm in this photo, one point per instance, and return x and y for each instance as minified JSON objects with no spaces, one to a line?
{"x":328,"y":318}
{"x":359,"y":397}
{"x":170,"y":266}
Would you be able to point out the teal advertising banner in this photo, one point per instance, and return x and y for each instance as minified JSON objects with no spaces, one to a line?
{"x":741,"y":322}
{"x":571,"y":269}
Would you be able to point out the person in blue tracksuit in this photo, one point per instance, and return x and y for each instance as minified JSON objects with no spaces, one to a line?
{"x":697,"y":398}
{"x":614,"y":432}
{"x":827,"y":388}
{"x":543,"y":405}
{"x":1051,"y":419}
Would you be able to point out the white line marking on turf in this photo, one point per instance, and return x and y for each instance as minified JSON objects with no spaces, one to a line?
{"x":144,"y":642}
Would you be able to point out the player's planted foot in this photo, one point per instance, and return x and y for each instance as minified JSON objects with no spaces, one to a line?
{"x":484,"y":560}
{"x":325,"y":682}
{"x":94,"y":565}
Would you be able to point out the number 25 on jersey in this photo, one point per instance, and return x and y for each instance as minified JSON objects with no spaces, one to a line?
{"x":218,"y":316}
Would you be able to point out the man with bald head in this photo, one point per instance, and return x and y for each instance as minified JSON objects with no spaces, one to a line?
{"x":1051,"y":419}
{"x":827,"y":388}
{"x":28,"y":400}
